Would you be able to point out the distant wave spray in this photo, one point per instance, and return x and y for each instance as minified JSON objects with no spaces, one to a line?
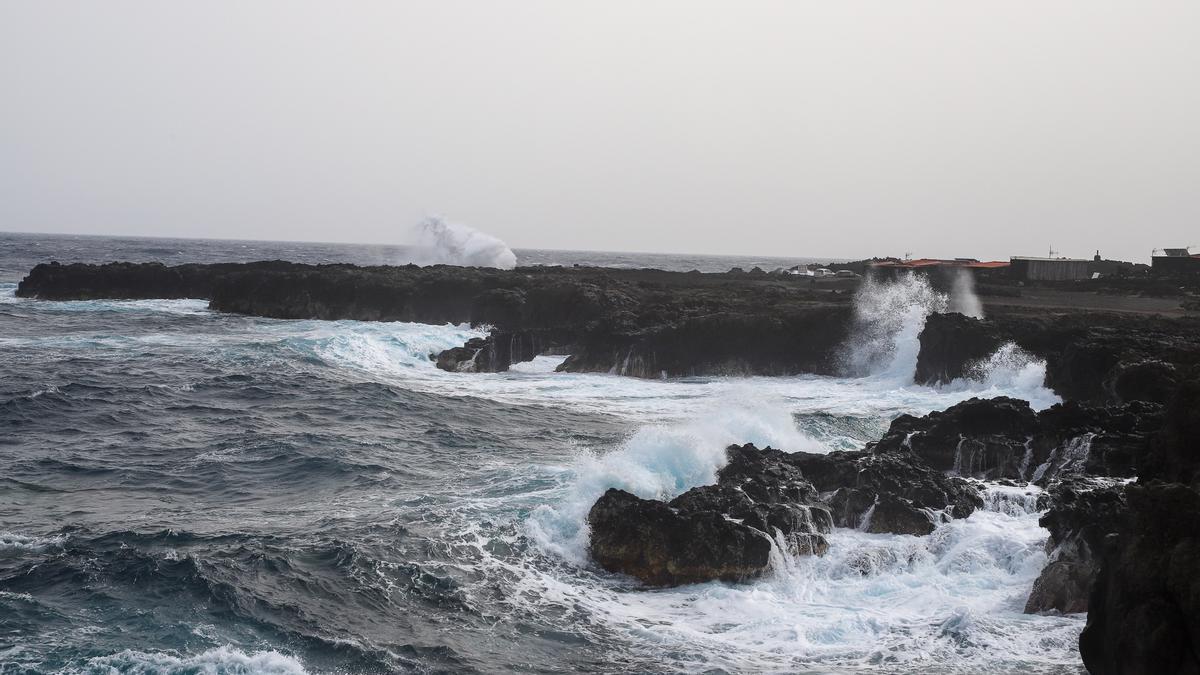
{"x":962,"y":295}
{"x":437,"y":242}
{"x":884,"y":343}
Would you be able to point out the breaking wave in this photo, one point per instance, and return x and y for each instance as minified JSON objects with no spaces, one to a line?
{"x":10,"y":542}
{"x":437,"y":242}
{"x":888,"y":318}
{"x":662,"y":462}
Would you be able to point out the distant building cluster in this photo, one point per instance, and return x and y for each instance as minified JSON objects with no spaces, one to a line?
{"x":1176,"y":262}
{"x":1173,"y":262}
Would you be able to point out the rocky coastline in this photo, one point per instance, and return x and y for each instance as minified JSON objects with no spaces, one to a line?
{"x":1115,"y":468}
{"x":642,"y":323}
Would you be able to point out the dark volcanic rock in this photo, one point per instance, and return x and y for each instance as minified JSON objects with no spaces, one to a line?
{"x":644,"y":323}
{"x":650,"y":323}
{"x":721,"y":531}
{"x":648,"y":539}
{"x":722,"y":343}
{"x":951,"y":344}
{"x":496,"y":352}
{"x":978,"y":437}
{"x":464,"y":359}
{"x":758,"y":495}
{"x":1004,"y":438}
{"x":1081,"y":516}
{"x":1096,"y":358}
{"x":885,"y":491}
{"x":1144,"y":610}
{"x":130,"y":281}
{"x":724,"y":531}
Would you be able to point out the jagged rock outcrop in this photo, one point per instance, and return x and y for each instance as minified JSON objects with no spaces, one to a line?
{"x":886,"y":491}
{"x":650,"y":540}
{"x":722,"y":343}
{"x":951,"y":345}
{"x":494,"y":353}
{"x":1082,"y":514}
{"x":650,"y":323}
{"x":1097,"y":358}
{"x":724,"y":531}
{"x":715,"y":532}
{"x":1144,"y":609}
{"x":1005,"y":438}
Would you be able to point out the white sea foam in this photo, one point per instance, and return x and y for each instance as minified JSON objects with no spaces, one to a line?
{"x":8,"y":294}
{"x":399,"y":353}
{"x":218,"y":661}
{"x":1009,"y":371}
{"x":181,"y":307}
{"x":13,"y":542}
{"x":1012,"y":500}
{"x":440,"y":242}
{"x":948,"y":602}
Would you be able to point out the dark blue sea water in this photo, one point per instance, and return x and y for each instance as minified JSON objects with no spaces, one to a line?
{"x":183,"y":491}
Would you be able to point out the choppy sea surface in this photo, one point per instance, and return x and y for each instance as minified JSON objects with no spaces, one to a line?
{"x":183,"y":491}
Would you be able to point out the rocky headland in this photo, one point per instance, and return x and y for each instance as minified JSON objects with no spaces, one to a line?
{"x":651,"y":323}
{"x":643,"y":323}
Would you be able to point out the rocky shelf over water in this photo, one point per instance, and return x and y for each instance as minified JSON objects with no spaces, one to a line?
{"x":651,"y":323}
{"x":644,"y":323}
{"x":1090,"y":356}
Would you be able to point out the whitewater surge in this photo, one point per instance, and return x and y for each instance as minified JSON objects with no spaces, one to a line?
{"x":662,"y":461}
{"x":438,"y":242}
{"x":889,"y":315}
{"x":948,"y":602}
{"x":888,"y":318}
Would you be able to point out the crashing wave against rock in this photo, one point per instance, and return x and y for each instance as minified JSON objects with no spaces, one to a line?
{"x":726,"y":531}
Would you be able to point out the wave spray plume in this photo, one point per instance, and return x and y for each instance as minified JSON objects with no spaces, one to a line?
{"x":437,"y":242}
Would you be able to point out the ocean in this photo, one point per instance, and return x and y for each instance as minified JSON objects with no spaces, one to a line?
{"x":183,"y":491}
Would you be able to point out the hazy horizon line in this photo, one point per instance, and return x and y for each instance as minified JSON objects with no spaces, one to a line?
{"x":407,"y":244}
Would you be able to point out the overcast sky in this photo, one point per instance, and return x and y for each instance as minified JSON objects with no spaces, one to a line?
{"x":982,"y":129}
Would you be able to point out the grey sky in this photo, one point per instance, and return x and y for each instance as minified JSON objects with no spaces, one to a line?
{"x":980,"y":129}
